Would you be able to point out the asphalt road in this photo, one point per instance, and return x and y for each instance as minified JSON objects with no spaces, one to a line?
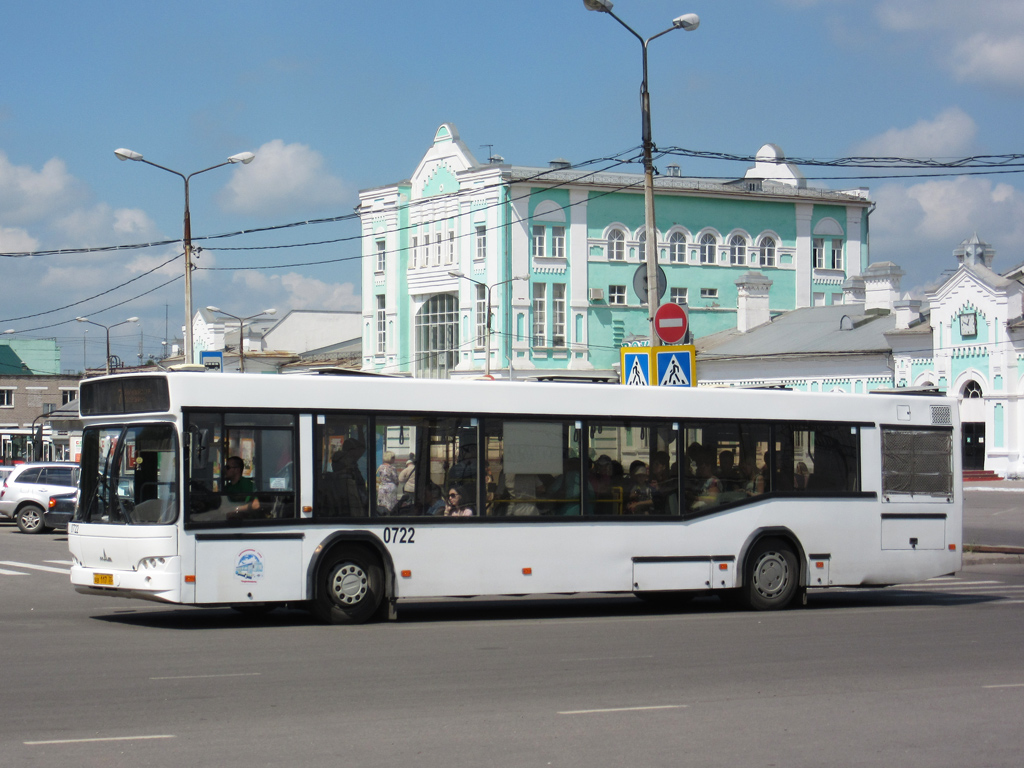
{"x":994,"y":513}
{"x":920,"y":675}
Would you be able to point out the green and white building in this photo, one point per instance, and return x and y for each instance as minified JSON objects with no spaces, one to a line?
{"x":550,"y":254}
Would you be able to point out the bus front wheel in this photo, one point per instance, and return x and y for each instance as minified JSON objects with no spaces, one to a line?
{"x":773,"y":576}
{"x":350,"y":588}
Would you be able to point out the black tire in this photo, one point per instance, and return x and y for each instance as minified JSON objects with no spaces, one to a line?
{"x":773,"y":576}
{"x":30,"y":519}
{"x":349,"y":586}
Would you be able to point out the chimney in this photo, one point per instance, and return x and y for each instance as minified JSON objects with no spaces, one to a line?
{"x":853,"y":291}
{"x":908,"y":312}
{"x":881,"y":287}
{"x":752,"y":305}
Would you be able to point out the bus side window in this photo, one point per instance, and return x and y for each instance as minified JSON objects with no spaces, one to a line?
{"x":340,"y":483}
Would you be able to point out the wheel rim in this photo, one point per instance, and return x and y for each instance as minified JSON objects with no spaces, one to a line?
{"x":771,"y":575}
{"x":349,"y":584}
{"x":31,"y":519}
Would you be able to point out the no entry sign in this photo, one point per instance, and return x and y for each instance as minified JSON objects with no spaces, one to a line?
{"x":670,"y":323}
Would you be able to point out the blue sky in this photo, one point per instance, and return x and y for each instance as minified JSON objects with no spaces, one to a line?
{"x":338,"y":96}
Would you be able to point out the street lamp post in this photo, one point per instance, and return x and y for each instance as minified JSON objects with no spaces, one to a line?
{"x":489,"y":288}
{"x":242,"y":157}
{"x":241,"y":327}
{"x":107,"y":329}
{"x":687,"y":22}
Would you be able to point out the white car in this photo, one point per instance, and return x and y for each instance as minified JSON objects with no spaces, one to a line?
{"x":26,"y":492}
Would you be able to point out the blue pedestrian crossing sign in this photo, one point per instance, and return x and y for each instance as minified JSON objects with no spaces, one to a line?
{"x":675,"y":366}
{"x":636,"y":366}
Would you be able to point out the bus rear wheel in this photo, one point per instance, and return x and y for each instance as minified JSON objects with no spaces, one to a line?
{"x":773,"y":576}
{"x":350,"y":587}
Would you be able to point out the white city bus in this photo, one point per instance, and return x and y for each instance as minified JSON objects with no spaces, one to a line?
{"x":351,"y":493}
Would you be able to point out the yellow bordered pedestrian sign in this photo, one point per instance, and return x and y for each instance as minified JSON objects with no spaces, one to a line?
{"x":635,"y":366}
{"x":675,"y":366}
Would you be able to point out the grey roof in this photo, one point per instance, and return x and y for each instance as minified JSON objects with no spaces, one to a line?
{"x":808,"y":331}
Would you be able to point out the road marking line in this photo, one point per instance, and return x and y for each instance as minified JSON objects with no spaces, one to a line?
{"x":200,"y":677}
{"x":996,"y":490}
{"x":103,"y":738}
{"x":1007,"y":685}
{"x":46,"y":568}
{"x":622,"y":709}
{"x":12,"y":573}
{"x":608,"y":658}
{"x":58,"y":562}
{"x":1011,"y":602}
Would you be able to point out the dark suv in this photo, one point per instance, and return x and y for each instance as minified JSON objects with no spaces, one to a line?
{"x":26,"y":492}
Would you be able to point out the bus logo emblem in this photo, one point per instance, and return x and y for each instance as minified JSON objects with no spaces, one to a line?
{"x":249,"y":567}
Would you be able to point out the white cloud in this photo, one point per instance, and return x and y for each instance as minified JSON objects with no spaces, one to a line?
{"x":27,"y":195}
{"x":295,"y":291}
{"x":16,"y":240}
{"x":283,"y":178}
{"x":918,"y":225}
{"x":980,"y":42}
{"x":950,"y":134}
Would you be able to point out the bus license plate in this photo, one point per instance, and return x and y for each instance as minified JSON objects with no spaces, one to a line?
{"x":103,"y":579}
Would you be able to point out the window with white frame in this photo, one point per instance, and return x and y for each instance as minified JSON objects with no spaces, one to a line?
{"x":537,"y":238}
{"x":414,"y":252}
{"x":381,"y":326}
{"x":837,"y":253}
{"x":641,"y":241}
{"x":540,"y":321}
{"x":558,"y":242}
{"x":480,"y":249}
{"x":616,"y":294}
{"x":709,"y":293}
{"x":426,"y":251}
{"x":818,"y":252}
{"x":67,"y":395}
{"x":677,"y":295}
{"x":616,"y":245}
{"x":437,"y":249}
{"x":708,"y":248}
{"x":737,"y":250}
{"x":481,"y":316}
{"x":6,"y":398}
{"x":381,"y":256}
{"x":767,"y":252}
{"x":451,"y":247}
{"x":558,"y":315}
{"x":677,"y":248}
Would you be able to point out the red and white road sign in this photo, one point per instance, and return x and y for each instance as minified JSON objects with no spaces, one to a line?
{"x":670,"y":323}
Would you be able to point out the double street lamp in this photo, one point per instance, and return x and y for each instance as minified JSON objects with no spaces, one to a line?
{"x":107,"y":329}
{"x":687,"y":22}
{"x":241,"y":329}
{"x":242,"y":157}
{"x":488,"y":288}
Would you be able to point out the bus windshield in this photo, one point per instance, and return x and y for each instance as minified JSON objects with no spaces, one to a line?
{"x":129,"y":475}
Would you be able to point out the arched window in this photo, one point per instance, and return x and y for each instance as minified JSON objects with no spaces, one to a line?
{"x":767,"y":252}
{"x":972,"y":390}
{"x":677,"y":248}
{"x":738,"y":250}
{"x":437,"y":337}
{"x":708,"y":249}
{"x":616,"y":245}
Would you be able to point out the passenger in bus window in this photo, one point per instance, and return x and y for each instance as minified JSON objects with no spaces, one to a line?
{"x":457,"y":503}
{"x":639,"y":500}
{"x":800,"y":476}
{"x":407,"y":489}
{"x":342,"y":491}
{"x":387,"y":485}
{"x":463,"y":471}
{"x":435,"y":503}
{"x":709,"y":485}
{"x":664,"y":484}
{"x":239,"y":490}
